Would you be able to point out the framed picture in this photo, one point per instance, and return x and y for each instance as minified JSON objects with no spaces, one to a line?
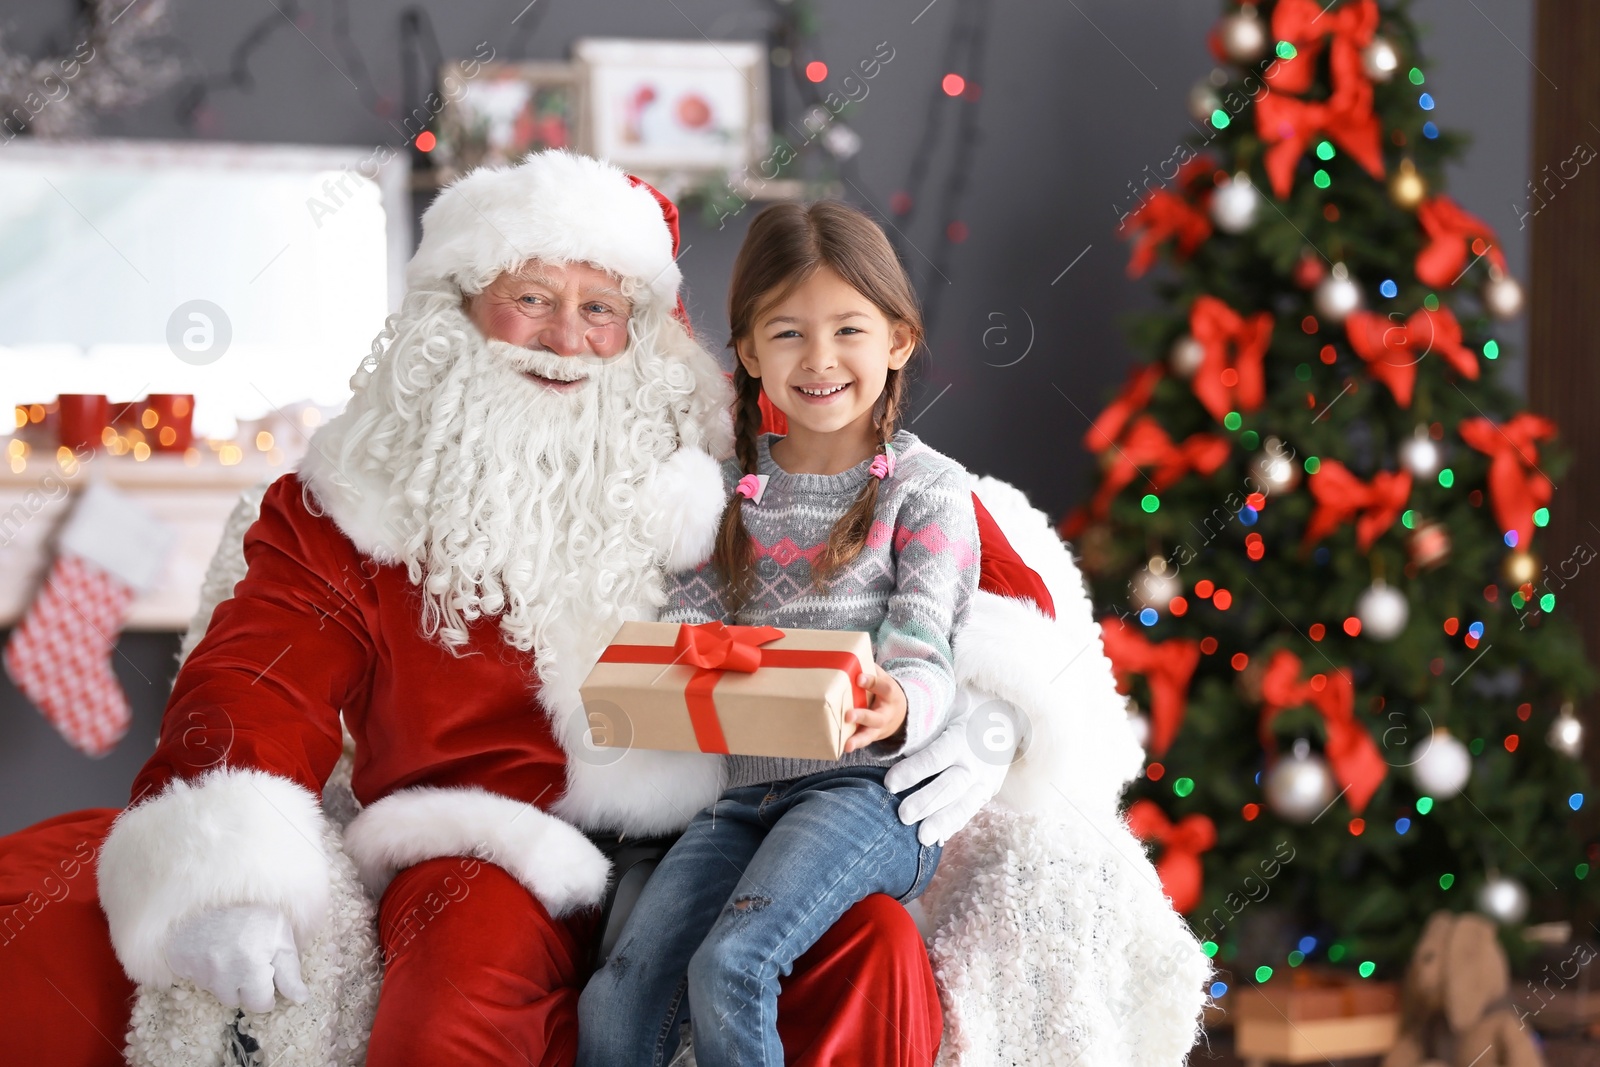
{"x":675,"y":108}
{"x":507,"y":111}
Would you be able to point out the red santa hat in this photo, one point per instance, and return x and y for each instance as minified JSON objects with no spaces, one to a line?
{"x":556,"y":206}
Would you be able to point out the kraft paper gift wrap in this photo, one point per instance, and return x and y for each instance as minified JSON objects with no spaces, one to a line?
{"x":748,"y":690}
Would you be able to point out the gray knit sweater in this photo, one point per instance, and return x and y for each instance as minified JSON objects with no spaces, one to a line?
{"x":910,"y":587}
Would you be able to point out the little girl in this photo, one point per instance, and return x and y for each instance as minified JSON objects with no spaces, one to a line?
{"x":846,"y":523}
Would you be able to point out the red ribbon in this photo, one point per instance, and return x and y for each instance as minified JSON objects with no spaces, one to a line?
{"x":1352,"y":754}
{"x":1392,"y":350}
{"x":1108,"y":425}
{"x":713,"y":649}
{"x":1146,"y":444}
{"x":1305,"y":24}
{"x":1517,"y":487}
{"x":1341,"y":495}
{"x":1167,"y":667}
{"x":1289,"y":124}
{"x":1162,"y":216}
{"x":1233,"y":344}
{"x":1179,"y":867}
{"x":1451,"y":229}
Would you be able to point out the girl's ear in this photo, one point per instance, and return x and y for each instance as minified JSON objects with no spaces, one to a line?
{"x":746,"y":351}
{"x":901,"y":344}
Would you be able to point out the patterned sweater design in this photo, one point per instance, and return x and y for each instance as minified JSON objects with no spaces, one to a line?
{"x":910,"y":588}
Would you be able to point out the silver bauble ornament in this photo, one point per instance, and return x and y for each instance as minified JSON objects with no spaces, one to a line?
{"x":1380,"y":59}
{"x":1383,"y":611}
{"x":1336,"y":295}
{"x":1502,"y":296}
{"x":1505,"y":900}
{"x":1300,"y":785}
{"x":1273,"y":469}
{"x":1234,"y":204}
{"x":1443,"y":766}
{"x":1155,"y":585}
{"x":1203,"y":100}
{"x":1186,"y":356}
{"x":1243,"y":36}
{"x":1420,"y":455}
{"x":1566,"y":733}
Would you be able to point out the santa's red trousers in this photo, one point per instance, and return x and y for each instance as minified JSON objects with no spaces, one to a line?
{"x":476,"y":970}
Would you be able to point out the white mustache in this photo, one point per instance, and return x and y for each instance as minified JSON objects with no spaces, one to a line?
{"x":540,"y":361}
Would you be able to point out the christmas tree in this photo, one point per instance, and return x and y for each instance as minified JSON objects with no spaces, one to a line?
{"x":1314,"y":538}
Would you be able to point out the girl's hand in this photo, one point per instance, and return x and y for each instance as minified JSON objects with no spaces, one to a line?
{"x":885,"y":715}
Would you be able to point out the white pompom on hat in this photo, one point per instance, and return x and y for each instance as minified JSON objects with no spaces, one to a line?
{"x":556,"y":206}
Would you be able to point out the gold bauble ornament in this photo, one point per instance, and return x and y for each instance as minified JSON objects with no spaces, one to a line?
{"x":1520,"y":568}
{"x":1407,"y":188}
{"x":1243,"y":36}
{"x":1273,"y":469}
{"x":1156,"y":585}
{"x":1186,"y":356}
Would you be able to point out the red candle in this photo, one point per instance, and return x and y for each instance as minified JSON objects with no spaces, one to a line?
{"x":81,"y":419}
{"x":168,"y":421}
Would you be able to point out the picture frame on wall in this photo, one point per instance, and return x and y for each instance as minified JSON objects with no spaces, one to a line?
{"x":675,"y":109}
{"x":507,"y":111}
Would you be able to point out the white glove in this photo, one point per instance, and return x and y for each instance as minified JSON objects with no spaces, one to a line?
{"x":970,"y":758}
{"x":237,"y":954}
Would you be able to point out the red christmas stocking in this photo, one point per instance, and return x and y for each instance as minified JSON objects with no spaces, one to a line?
{"x":108,"y":552}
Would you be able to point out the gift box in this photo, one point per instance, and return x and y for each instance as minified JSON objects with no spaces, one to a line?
{"x":749,"y":690}
{"x":1315,"y":1016}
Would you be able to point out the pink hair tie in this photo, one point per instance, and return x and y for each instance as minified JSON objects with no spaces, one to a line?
{"x":883,"y":463}
{"x":751,"y":487}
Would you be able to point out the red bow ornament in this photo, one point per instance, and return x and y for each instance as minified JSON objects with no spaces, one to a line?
{"x":1146,"y":444}
{"x":1305,"y":25}
{"x":1230,"y":376}
{"x":1393,"y":349}
{"x":1164,"y":216}
{"x":1290,"y":124}
{"x":1340,"y":496}
{"x":1109,"y":424}
{"x":1451,"y":229}
{"x":1167,"y":667}
{"x":1352,"y":754}
{"x":1179,"y":867}
{"x":1517,"y":487}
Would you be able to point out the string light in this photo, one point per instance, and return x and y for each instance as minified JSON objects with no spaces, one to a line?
{"x":1491,"y":349}
{"x":817,"y":70}
{"x":1446,"y":880}
{"x":1150,"y":503}
{"x":952,"y":84}
{"x":1388,"y":288}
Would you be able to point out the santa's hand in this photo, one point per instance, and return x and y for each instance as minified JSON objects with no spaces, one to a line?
{"x":964,"y":780}
{"x":238,"y":954}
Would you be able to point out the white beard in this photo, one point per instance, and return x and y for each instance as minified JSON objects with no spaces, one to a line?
{"x":505,"y":498}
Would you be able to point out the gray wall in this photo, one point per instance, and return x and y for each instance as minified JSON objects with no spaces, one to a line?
{"x":1079,"y":97}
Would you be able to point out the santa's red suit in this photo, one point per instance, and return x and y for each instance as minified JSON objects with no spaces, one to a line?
{"x":456,"y":754}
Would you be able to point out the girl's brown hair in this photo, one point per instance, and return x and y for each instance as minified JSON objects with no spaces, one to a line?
{"x":786,"y":245}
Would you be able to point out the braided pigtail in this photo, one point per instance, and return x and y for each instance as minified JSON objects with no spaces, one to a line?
{"x":735,"y":553}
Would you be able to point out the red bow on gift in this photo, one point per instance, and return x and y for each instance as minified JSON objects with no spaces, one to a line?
{"x":1352,"y":754}
{"x":1179,"y":867}
{"x":1392,"y":349}
{"x":1223,"y":384}
{"x":1305,"y":24}
{"x":1167,"y":667}
{"x":1450,"y":229}
{"x":1103,"y":433}
{"x":716,"y":646}
{"x":1146,"y":444}
{"x":1517,"y":486}
{"x":1162,"y":216}
{"x":1340,"y":494}
{"x":1289,"y":124}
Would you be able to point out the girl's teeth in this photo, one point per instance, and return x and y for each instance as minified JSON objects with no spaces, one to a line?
{"x":821,"y":392}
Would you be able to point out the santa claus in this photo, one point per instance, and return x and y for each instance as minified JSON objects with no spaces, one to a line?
{"x":528,"y":450}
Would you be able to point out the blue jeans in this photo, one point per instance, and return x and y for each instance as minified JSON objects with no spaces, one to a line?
{"x":755,"y":881}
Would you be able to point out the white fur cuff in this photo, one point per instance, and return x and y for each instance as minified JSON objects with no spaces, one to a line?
{"x":553,"y":860}
{"x":689,"y":495}
{"x":233,"y":836}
